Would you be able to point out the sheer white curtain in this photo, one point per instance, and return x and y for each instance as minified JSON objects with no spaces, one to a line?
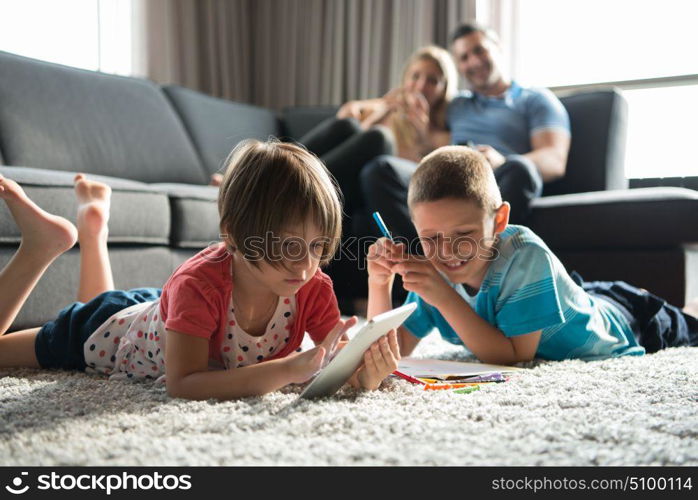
{"x":278,"y":53}
{"x":503,"y":17}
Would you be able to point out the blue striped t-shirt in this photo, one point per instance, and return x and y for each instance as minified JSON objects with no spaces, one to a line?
{"x":527,"y":289}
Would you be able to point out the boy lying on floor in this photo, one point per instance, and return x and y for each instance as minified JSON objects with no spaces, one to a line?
{"x":497,"y":289}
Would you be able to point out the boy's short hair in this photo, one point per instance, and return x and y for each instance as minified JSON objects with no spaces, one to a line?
{"x":268,"y":187}
{"x":455,"y":172}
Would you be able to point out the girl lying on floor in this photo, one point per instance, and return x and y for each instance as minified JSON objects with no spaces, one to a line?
{"x":230,"y":321}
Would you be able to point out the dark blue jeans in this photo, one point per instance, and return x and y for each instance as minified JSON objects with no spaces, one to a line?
{"x":59,"y":343}
{"x":655,"y":323}
{"x":344,"y":147}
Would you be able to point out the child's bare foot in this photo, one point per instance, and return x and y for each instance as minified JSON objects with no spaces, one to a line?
{"x":216,"y":180}
{"x":94,"y":199}
{"x":47,"y":234}
{"x":691,"y":307}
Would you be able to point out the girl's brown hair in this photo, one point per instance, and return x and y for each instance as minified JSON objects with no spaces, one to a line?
{"x":268,"y":187}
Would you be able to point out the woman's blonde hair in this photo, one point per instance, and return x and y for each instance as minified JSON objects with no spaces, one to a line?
{"x":442,"y":58}
{"x":437,"y":113}
{"x":270,"y":186}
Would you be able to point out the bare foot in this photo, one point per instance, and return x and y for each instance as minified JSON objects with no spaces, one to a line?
{"x":691,"y":307}
{"x":94,"y":199}
{"x":47,"y":234}
{"x":216,"y":180}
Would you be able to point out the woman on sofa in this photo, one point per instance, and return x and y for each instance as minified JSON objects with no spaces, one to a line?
{"x":415,"y":112}
{"x":409,"y":121}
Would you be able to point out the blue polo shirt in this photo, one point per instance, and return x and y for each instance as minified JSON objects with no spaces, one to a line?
{"x":507,"y":122}
{"x":527,"y":289}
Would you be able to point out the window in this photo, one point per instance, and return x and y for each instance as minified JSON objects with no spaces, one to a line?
{"x":88,"y":34}
{"x":580,"y":42}
{"x":661,"y":132}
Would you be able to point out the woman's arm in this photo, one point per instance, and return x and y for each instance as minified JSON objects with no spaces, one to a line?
{"x":358,"y":109}
{"x":373,"y":112}
{"x":439,"y":138}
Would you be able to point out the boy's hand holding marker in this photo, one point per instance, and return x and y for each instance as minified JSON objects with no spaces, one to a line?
{"x":421,"y":277}
{"x":385,"y":258}
{"x":382,"y":256}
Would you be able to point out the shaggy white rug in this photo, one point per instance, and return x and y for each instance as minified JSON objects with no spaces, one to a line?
{"x":629,"y":411}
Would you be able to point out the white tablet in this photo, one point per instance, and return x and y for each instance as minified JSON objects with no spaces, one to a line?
{"x":338,"y":371}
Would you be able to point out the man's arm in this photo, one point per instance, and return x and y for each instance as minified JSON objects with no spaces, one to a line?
{"x":549,"y":154}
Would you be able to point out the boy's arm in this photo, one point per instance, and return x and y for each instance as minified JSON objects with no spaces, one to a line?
{"x":380,"y":301}
{"x":380,"y":285}
{"x":488,"y":343}
{"x":407,"y":341}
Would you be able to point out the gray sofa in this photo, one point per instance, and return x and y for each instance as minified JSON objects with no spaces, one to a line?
{"x":157,"y":146}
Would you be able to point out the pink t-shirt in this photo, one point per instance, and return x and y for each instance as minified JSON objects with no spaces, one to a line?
{"x":197,"y":300}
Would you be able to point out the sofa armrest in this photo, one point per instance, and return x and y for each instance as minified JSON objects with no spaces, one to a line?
{"x":622,"y":219}
{"x":596,"y":161}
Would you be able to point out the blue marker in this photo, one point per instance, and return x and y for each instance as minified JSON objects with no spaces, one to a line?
{"x":381,"y":225}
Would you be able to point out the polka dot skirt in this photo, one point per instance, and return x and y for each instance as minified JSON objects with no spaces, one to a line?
{"x":240,"y":349}
{"x":129,"y":344}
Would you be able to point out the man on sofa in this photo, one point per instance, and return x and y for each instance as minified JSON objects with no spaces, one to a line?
{"x":523,"y":132}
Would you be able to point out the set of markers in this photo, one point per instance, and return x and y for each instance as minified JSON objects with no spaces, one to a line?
{"x":461,"y":386}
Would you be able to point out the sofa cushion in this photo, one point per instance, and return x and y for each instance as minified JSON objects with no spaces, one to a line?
{"x":194,"y":214}
{"x":63,"y":118}
{"x":634,"y":218}
{"x":139,"y":213}
{"x":596,"y":160}
{"x":216,"y":125}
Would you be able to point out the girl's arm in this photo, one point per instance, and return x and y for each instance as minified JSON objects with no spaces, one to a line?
{"x":188,"y":376}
